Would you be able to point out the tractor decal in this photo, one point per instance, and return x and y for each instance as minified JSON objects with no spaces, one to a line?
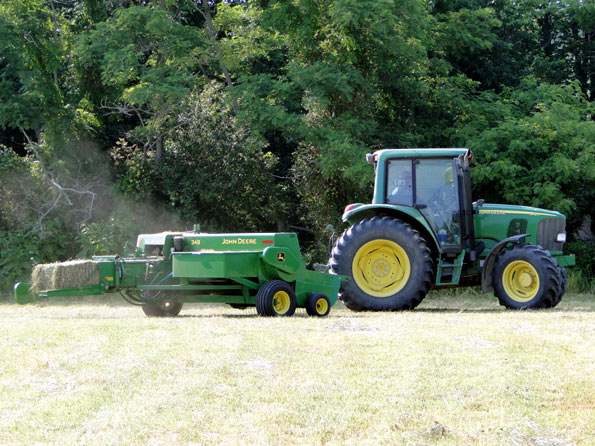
{"x":504,"y":212}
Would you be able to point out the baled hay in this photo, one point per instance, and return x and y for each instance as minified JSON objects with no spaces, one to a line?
{"x":71,"y":274}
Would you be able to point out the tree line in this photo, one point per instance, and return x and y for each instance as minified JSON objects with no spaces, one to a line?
{"x":125,"y":116}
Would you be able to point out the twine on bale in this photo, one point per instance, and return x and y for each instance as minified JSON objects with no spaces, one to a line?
{"x":63,"y":275}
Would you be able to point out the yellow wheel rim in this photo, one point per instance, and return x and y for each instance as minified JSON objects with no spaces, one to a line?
{"x":520,"y":281}
{"x":321,"y":306}
{"x":281,"y":302}
{"x":381,"y":268}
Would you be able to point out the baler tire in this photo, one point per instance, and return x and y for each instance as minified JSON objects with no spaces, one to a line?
{"x":276,"y":298}
{"x":392,"y":262}
{"x":318,"y":305}
{"x":527,"y":277}
{"x":169,"y":307}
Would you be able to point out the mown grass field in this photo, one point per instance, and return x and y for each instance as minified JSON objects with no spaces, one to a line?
{"x":458,"y":370}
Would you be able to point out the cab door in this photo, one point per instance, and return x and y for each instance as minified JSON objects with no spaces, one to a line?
{"x":437,"y":196}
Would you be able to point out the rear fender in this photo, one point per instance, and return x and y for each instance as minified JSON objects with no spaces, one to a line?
{"x":405,"y":213}
{"x":488,"y":265}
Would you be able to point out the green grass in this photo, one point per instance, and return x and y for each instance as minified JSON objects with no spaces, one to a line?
{"x":458,"y":370}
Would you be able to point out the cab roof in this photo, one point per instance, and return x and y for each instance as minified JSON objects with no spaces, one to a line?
{"x":384,"y":154}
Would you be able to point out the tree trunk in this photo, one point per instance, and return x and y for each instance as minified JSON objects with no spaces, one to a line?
{"x":209,"y":21}
{"x":159,"y":150}
{"x":589,"y":62}
{"x":584,"y":233}
{"x":546,"y":34}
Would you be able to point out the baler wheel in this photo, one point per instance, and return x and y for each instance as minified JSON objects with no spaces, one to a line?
{"x":275,"y":298}
{"x":388,"y":263}
{"x":167,"y":307}
{"x":318,"y":305}
{"x":527,"y":277}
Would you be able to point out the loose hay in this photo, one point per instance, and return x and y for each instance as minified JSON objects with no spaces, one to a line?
{"x":71,"y":274}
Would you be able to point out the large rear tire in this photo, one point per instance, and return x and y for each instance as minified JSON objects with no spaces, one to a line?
{"x":388,"y":263}
{"x":527,"y":277}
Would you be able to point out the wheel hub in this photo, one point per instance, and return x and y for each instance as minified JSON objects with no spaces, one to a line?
{"x":321,"y":306}
{"x":281,"y":302}
{"x":525,"y":280}
{"x":381,"y":268}
{"x":520,"y":281}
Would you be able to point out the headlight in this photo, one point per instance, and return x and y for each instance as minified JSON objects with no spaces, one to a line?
{"x":561,"y":237}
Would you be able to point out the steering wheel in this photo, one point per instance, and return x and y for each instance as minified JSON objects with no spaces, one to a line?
{"x":441,"y":205}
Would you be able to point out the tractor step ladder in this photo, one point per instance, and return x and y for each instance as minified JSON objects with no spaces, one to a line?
{"x":450,"y":273}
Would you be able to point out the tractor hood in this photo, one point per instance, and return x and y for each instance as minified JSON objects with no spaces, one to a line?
{"x":496,"y":222}
{"x":509,"y":209}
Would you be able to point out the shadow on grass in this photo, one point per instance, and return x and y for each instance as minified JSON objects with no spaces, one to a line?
{"x":503,"y":310}
{"x":437,"y":304}
{"x":366,"y":314}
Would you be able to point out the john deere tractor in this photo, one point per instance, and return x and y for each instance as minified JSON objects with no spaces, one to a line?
{"x":423,"y":231}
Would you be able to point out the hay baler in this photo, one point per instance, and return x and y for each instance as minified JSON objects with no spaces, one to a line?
{"x":265,"y":270}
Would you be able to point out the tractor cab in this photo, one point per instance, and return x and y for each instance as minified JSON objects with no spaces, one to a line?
{"x":435,"y":187}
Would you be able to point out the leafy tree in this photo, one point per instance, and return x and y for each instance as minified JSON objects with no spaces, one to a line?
{"x":540,"y":150}
{"x":354,"y":72}
{"x":35,"y":41}
{"x":215,"y":172}
{"x":509,"y":41}
{"x":147,"y":59}
{"x":32,"y":227}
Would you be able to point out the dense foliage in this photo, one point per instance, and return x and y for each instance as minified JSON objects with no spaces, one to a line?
{"x":122,"y":116}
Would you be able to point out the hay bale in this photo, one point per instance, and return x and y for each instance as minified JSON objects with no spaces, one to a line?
{"x":40,"y":278}
{"x":62,"y":275}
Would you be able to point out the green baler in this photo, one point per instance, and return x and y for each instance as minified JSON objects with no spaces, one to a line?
{"x":265,"y":270}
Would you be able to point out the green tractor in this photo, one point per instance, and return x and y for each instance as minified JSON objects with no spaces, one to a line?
{"x":423,"y":231}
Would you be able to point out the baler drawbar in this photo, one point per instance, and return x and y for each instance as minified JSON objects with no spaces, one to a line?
{"x":265,"y":270}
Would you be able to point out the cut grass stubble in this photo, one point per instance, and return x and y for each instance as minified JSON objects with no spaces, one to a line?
{"x":455,"y":371}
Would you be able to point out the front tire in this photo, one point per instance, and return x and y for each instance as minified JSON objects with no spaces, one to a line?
{"x":527,"y":277}
{"x":388,"y":263}
{"x":563,"y":283}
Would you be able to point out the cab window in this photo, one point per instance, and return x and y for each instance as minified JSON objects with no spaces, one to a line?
{"x":399,"y":183}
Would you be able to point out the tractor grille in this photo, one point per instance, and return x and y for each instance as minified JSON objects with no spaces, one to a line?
{"x":546,"y":233}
